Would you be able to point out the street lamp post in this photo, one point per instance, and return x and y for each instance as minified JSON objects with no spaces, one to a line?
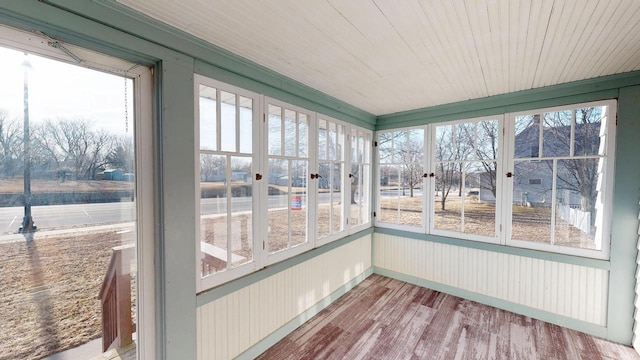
{"x":27,"y":221}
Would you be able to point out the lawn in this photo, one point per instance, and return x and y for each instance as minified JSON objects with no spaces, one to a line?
{"x":49,"y":290}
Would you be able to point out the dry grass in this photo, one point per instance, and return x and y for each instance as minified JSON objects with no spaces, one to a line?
{"x":529,"y":223}
{"x":16,"y":185}
{"x":49,"y":290}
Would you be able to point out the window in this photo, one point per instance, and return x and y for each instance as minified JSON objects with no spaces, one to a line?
{"x":401,"y":177}
{"x":465,"y":163}
{"x":225,"y":179}
{"x":331,"y":213}
{"x":271,"y":180}
{"x":359,"y":178}
{"x":77,"y":177}
{"x":539,"y":179}
{"x":289,"y":158}
{"x":564,"y":206}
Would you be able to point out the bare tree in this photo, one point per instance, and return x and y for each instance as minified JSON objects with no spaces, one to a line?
{"x":10,"y":145}
{"x":446,"y":169}
{"x":578,"y":175}
{"x":487,"y":152}
{"x":73,"y":145}
{"x":412,"y":156}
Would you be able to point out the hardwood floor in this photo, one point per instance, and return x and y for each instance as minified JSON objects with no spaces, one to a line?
{"x":383,"y":318}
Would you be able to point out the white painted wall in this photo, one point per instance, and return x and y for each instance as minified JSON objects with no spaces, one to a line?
{"x":232,"y":324}
{"x":568,"y":290}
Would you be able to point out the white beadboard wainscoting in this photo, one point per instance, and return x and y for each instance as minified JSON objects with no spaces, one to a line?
{"x":232,"y":324}
{"x":571,"y":291}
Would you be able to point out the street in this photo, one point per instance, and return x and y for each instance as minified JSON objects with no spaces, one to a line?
{"x":61,"y":216}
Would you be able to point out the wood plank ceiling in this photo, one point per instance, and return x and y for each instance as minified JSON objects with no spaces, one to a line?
{"x":387,"y":56}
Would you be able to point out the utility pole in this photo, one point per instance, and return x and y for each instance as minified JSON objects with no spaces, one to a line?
{"x":27,"y":221}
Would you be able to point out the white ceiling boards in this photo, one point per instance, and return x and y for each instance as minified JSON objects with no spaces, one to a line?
{"x":387,"y":56}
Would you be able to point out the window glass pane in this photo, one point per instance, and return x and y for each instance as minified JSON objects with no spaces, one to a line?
{"x":577,"y":203}
{"x":213,"y":211}
{"x":479,"y":201}
{"x":448,"y":199}
{"x":49,"y":280}
{"x":336,"y":197}
{"x":208,"y":118}
{"x":246,"y":125}
{"x":465,"y":141}
{"x":275,"y":130}
{"x":322,"y":139}
{"x":588,"y":131}
{"x":241,"y":238}
{"x":228,"y":121}
{"x":385,"y":147}
{"x":557,"y":133}
{"x":332,"y":141}
{"x":487,"y":140}
{"x":298,"y":202}
{"x":527,"y":136}
{"x":340,"y":143}
{"x":444,"y":143}
{"x":357,"y":195}
{"x":290,"y":136}
{"x":303,"y":135}
{"x":279,"y":201}
{"x":531,"y":217}
{"x":324,"y":199}
{"x":390,"y":180}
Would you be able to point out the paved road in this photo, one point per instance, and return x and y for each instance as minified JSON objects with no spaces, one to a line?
{"x":60,"y":216}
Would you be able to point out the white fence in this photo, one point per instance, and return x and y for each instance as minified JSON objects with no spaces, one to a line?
{"x":575,"y":217}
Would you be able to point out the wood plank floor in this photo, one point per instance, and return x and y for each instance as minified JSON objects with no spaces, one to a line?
{"x":383,"y":318}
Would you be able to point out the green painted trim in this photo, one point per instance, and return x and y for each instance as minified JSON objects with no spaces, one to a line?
{"x":289,"y":327}
{"x":235,"y":285}
{"x":128,"y":20}
{"x":229,"y":77}
{"x":583,"y":326}
{"x":624,"y":227}
{"x":67,"y":27}
{"x":543,"y":255}
{"x":605,"y":87}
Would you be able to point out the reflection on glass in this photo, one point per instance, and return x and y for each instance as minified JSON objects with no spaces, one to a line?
{"x":278,"y":215}
{"x":241,"y":238}
{"x":479,"y":196}
{"x":275,"y":130}
{"x":208,"y":118}
{"x":303,"y":135}
{"x":576,"y":203}
{"x":290,"y":138}
{"x":527,"y":136}
{"x":444,"y":143}
{"x":298,"y":202}
{"x":390,"y":180}
{"x":213,"y":208}
{"x":589,"y":124}
{"x":448,"y":202}
{"x":531,"y":209}
{"x":228,"y":121}
{"x":336,"y":198}
{"x":557,"y":133}
{"x":246,"y":125}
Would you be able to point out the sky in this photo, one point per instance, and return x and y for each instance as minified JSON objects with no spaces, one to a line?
{"x":61,"y":90}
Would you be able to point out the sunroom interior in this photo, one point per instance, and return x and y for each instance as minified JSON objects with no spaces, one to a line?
{"x":482,"y":149}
